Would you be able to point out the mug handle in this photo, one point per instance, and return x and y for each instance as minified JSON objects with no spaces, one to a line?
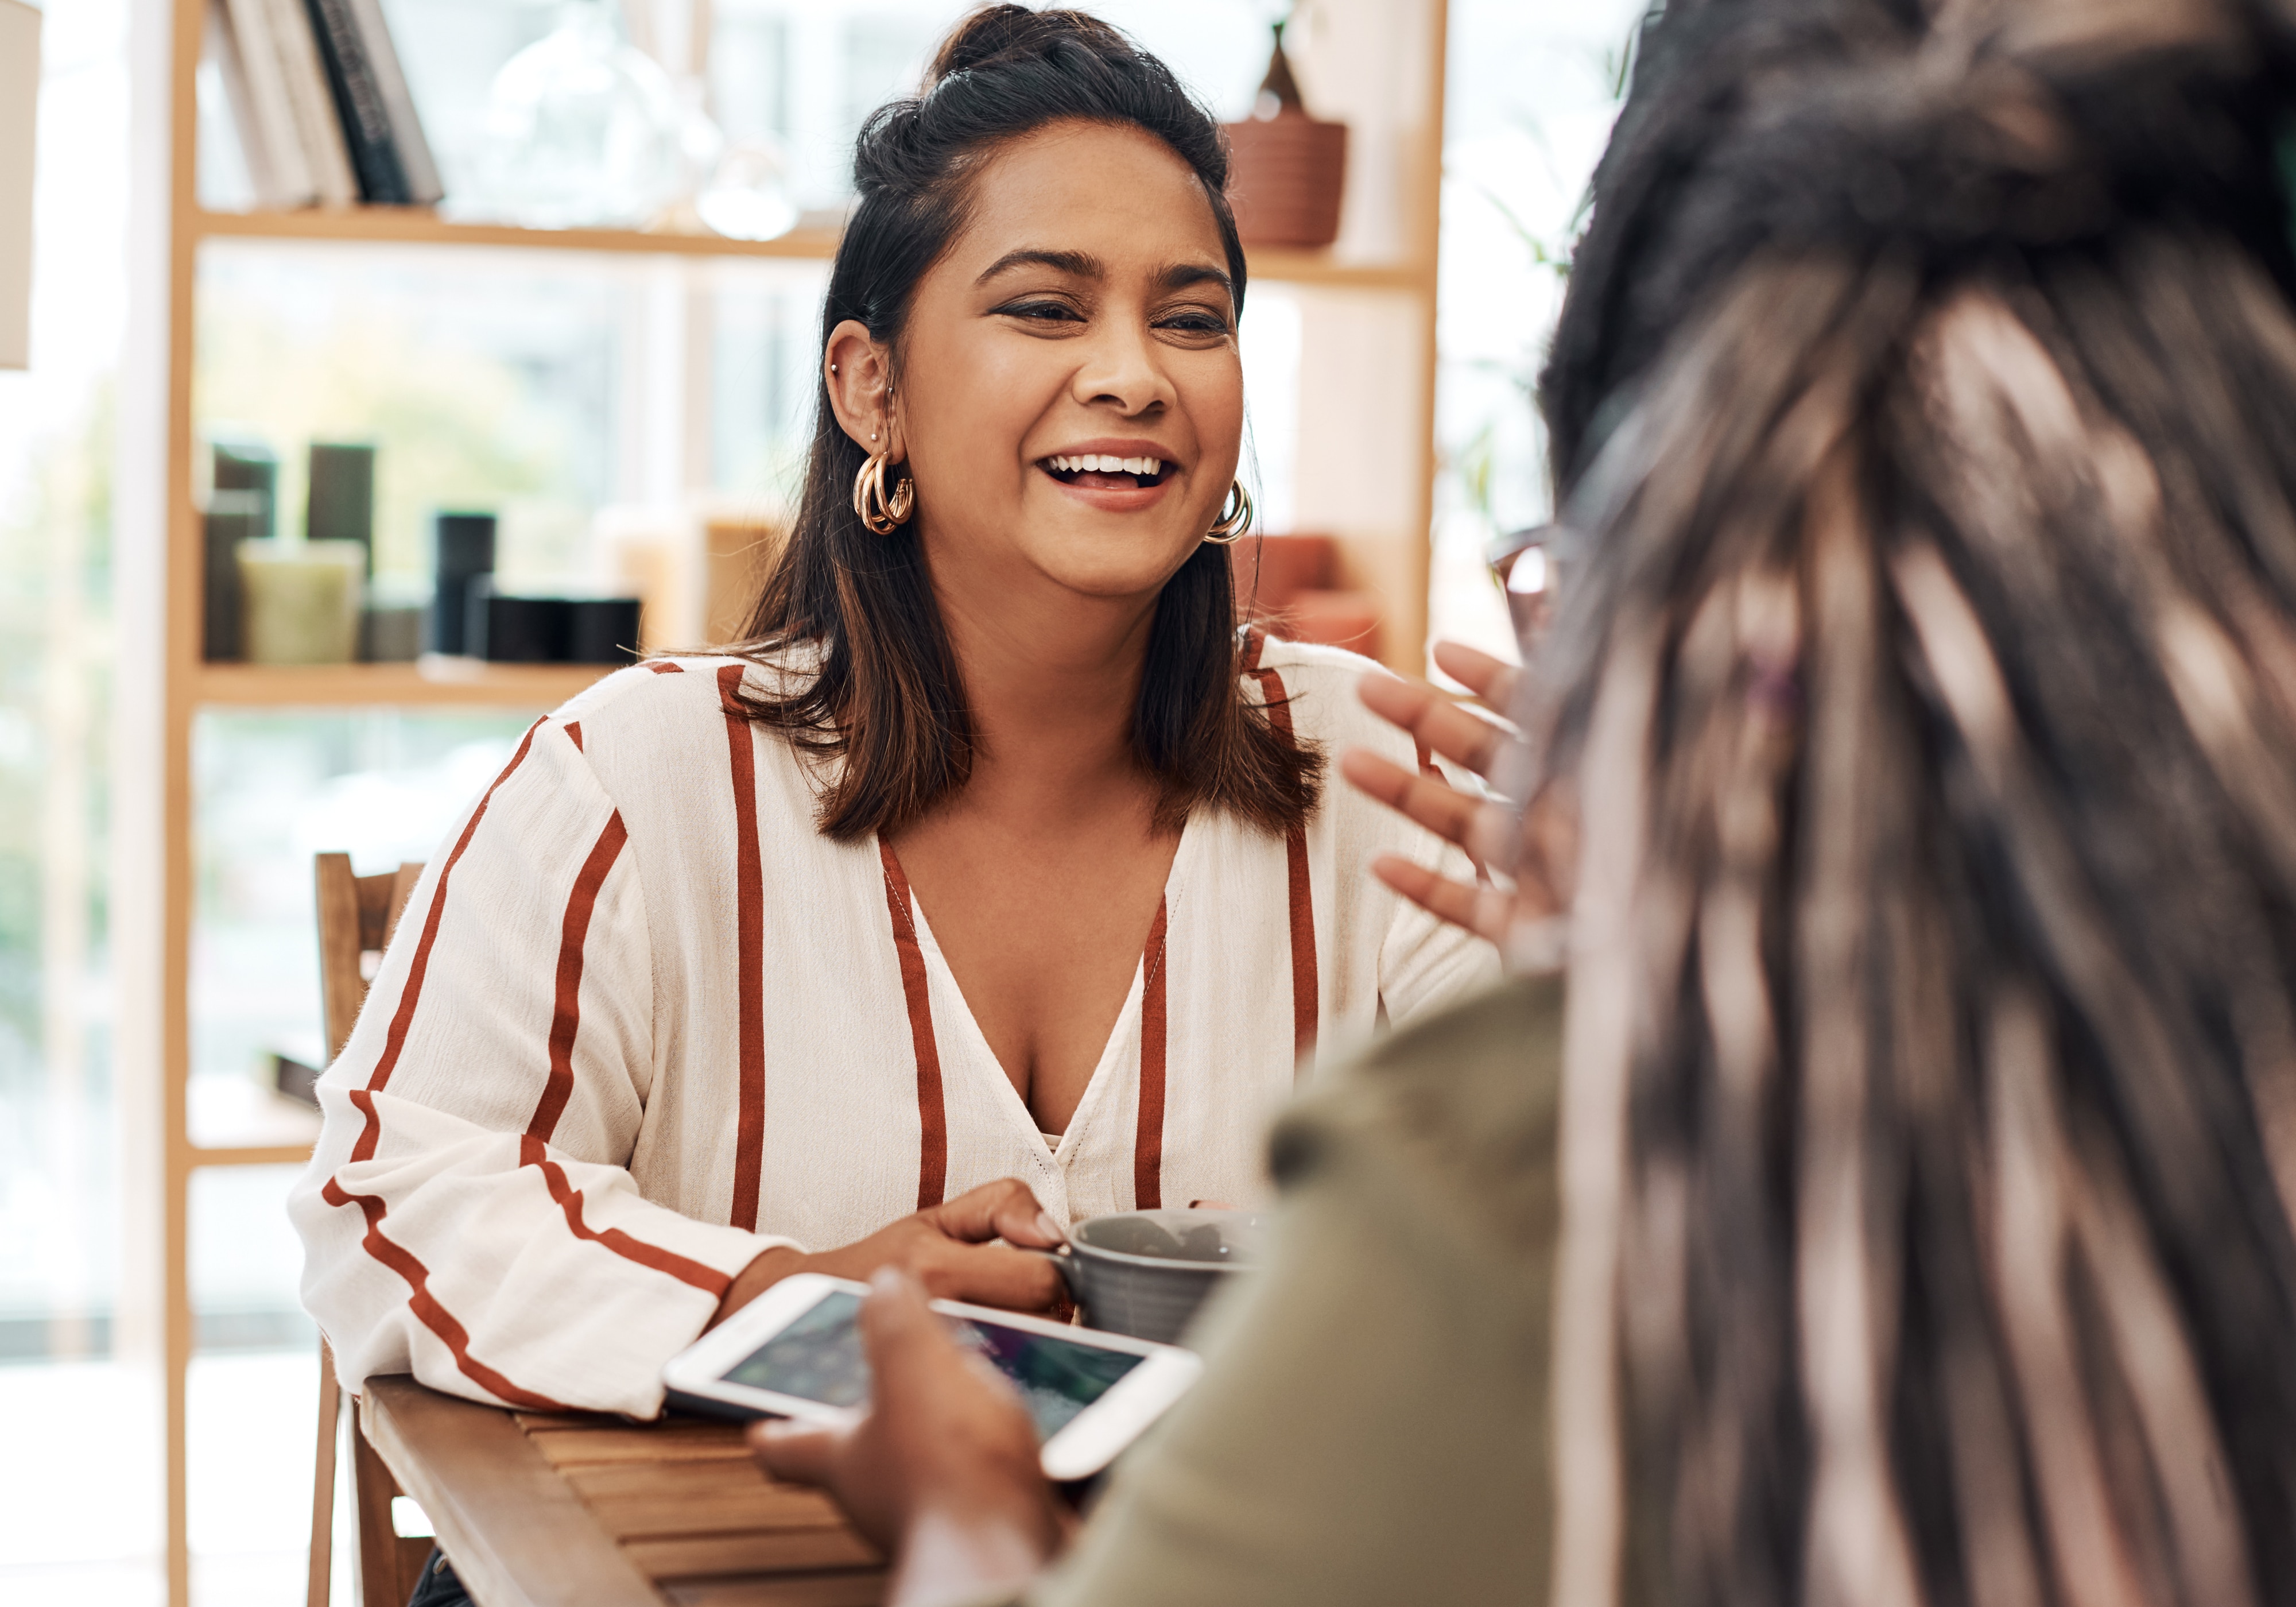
{"x":1065,"y":1263}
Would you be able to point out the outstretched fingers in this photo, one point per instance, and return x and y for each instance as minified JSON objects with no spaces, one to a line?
{"x":1484,"y":829}
{"x":1435,"y":722}
{"x":1492,"y":680}
{"x":1483,"y":910}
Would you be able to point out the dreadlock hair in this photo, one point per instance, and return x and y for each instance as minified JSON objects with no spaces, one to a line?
{"x":1925,"y":398}
{"x":886,"y":695}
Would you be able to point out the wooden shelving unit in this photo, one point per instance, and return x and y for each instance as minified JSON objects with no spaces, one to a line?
{"x":1365,"y":472}
{"x":430,"y":682}
{"x":401,"y":225}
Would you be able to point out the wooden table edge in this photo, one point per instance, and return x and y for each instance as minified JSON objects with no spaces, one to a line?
{"x":517,"y":1533}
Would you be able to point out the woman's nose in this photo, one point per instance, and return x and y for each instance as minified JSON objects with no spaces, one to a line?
{"x":1120,"y":369}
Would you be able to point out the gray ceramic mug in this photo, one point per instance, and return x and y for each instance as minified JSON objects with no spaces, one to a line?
{"x":1145,"y":1273}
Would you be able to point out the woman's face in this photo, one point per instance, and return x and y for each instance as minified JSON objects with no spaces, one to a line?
{"x":1068,"y":394}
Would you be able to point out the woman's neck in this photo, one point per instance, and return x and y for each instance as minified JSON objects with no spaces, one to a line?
{"x":1051,"y":679}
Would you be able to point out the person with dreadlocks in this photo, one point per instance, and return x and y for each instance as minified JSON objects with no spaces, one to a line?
{"x":1901,"y":1213}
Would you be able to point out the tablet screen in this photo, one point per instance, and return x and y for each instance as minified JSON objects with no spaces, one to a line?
{"x":818,"y":1357}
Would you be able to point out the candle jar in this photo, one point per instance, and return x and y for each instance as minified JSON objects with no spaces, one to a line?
{"x":302,"y":601}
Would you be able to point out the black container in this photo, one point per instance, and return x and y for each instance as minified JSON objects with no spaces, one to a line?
{"x":342,"y":505}
{"x":602,"y":630}
{"x":250,"y":466}
{"x":462,"y":552}
{"x":231,"y":518}
{"x":506,"y":629}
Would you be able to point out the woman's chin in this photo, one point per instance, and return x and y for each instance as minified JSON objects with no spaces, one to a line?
{"x":1113,"y":576}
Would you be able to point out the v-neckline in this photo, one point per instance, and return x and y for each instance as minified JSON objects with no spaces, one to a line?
{"x":1127,"y":1015}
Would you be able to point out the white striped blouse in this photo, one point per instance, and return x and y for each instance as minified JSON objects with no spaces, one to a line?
{"x":640,"y":1020}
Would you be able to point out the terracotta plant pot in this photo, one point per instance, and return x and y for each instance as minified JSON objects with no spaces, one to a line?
{"x":1287,"y":177}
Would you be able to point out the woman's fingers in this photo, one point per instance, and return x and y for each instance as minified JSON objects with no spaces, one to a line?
{"x":1484,"y":829}
{"x":1492,"y":680}
{"x":1003,"y":1209}
{"x":803,"y":1452}
{"x":993,"y":1274}
{"x":1434,"y":721}
{"x":1485,"y":911}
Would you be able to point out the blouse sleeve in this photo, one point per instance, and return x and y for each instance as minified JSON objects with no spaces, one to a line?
{"x":469,"y":1216}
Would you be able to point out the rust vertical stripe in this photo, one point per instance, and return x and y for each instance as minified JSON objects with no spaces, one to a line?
{"x":574,"y":734}
{"x":1148,"y":1134}
{"x":566,"y":1014}
{"x":1301,"y":896}
{"x":664,"y":666}
{"x":1300,"y":891}
{"x":750,"y":910}
{"x":394,"y":1042}
{"x":1426,"y":756}
{"x":932,"y":1111}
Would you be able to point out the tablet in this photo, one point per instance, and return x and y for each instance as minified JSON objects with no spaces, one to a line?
{"x":795,"y":1352}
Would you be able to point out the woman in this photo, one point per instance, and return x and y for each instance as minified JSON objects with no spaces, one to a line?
{"x":1918,"y":1225}
{"x":993,"y":874}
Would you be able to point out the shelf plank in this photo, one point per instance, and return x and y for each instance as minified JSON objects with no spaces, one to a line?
{"x":412,"y":225}
{"x":406,"y":226}
{"x":430,"y":681}
{"x":251,"y":1154}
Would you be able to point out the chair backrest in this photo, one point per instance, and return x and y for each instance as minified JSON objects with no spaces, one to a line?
{"x":356,"y":916}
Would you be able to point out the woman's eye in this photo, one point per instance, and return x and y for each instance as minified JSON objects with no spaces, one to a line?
{"x":1200,"y":322}
{"x":1047,"y":312}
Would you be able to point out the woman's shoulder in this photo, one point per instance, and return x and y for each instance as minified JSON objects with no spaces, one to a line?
{"x":641,"y":732}
{"x":1466,"y":1101}
{"x":685,"y":684}
{"x":1317,"y":687}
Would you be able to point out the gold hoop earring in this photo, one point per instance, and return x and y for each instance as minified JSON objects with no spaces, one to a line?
{"x":1235,"y":517}
{"x":882,"y":515}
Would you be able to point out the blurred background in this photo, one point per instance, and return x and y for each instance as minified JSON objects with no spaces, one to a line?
{"x":596,"y":332}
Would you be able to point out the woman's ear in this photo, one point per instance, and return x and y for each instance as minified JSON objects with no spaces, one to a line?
{"x":859,"y":374}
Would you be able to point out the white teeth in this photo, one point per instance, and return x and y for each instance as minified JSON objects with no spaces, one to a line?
{"x":1102,"y":462}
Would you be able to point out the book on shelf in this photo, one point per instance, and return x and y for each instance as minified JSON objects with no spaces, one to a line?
{"x":317,"y":128}
{"x":254,"y":84}
{"x":320,"y":103}
{"x":423,"y":188}
{"x":380,"y":128}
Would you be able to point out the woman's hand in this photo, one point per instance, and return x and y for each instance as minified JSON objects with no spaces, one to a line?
{"x":947,"y":1247}
{"x":1528,"y":853}
{"x":942,"y":1471}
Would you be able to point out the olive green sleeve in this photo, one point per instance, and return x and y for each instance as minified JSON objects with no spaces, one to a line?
{"x":1372,"y":1424}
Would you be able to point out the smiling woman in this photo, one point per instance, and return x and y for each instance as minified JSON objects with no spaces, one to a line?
{"x":667,"y":1020}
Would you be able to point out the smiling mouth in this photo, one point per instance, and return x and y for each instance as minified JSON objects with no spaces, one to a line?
{"x":1099,"y":471}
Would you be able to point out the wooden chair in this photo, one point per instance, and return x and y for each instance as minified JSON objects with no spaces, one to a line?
{"x":356,"y":916}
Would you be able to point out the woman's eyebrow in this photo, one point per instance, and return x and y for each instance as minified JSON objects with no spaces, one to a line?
{"x":1082,"y":265}
{"x":1181,"y":275}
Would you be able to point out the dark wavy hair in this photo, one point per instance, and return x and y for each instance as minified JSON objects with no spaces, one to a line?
{"x":889,"y":698}
{"x":1926,"y":397}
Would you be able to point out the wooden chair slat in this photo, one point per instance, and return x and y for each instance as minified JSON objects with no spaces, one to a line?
{"x":320,"y":1579}
{"x":519,"y":1535}
{"x":357,"y":914}
{"x":388,"y":1567}
{"x":842,"y":1589}
{"x":789,"y":1551}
